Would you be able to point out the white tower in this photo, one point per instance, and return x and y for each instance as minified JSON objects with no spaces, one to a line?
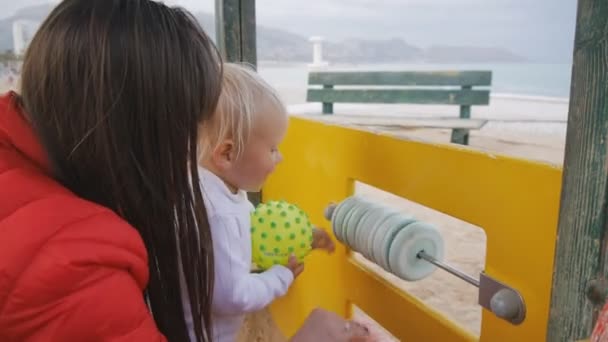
{"x":317,"y":53}
{"x":23,"y":32}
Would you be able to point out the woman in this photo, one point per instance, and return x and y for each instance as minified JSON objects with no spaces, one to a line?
{"x":97,"y":154}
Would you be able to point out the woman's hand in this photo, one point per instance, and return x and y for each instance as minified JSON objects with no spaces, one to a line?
{"x":323,"y":325}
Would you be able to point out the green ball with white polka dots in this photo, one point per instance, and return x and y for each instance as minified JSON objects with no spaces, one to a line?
{"x":279,"y":229}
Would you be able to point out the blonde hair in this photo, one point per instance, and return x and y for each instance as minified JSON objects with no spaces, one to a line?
{"x":244,"y":95}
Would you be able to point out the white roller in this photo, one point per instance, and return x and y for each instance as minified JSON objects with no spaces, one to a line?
{"x":387,"y":237}
{"x":392,"y":231}
{"x":383,"y":235}
{"x":404,"y":249}
{"x":348,"y":217}
{"x":366,"y":229}
{"x":384,"y":214}
{"x":358,"y":224}
{"x":338,"y":217}
{"x":352,"y":222}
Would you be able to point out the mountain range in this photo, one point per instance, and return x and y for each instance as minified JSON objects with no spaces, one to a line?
{"x":279,"y":45}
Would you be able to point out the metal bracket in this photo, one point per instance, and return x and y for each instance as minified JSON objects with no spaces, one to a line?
{"x":504,"y":301}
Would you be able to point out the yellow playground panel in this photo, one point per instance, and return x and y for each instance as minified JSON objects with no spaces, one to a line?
{"x":516,"y":203}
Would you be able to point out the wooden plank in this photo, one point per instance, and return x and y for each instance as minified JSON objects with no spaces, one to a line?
{"x":388,"y":304}
{"x":461,"y":136}
{"x":400,"y":122}
{"x":415,"y":96}
{"x":580,"y":256}
{"x":403,"y":78}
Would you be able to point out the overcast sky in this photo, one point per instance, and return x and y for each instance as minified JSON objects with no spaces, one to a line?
{"x":539,"y":29}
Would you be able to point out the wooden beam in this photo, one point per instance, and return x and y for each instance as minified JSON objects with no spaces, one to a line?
{"x":415,"y":96}
{"x":236,"y":38}
{"x":580,"y":267}
{"x":248,"y":33}
{"x":236,"y":30}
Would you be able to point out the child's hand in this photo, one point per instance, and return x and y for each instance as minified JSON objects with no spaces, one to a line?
{"x":322,"y":240}
{"x":295,"y":266}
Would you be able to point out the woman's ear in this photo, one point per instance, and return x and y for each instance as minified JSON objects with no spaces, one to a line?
{"x":223,"y":154}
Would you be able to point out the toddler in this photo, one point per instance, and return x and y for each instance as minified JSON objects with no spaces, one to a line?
{"x":238,"y":151}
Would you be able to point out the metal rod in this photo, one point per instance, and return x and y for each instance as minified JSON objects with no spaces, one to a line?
{"x":422,"y":255}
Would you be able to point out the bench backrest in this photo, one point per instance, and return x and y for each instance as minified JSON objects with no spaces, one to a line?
{"x":415,"y":87}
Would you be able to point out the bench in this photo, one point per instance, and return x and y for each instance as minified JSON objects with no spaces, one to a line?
{"x":405,"y":87}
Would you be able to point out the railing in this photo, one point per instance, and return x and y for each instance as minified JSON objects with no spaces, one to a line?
{"x":515,"y":201}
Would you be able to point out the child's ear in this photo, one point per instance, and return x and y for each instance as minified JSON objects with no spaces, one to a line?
{"x":223,"y":154}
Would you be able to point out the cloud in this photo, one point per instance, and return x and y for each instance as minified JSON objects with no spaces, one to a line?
{"x":9,"y":7}
{"x":542,"y":29}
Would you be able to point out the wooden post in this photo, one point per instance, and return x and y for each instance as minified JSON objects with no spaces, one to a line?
{"x":328,"y":107}
{"x":581,"y":267}
{"x":236,"y":30}
{"x":236,"y":38}
{"x":461,"y":135}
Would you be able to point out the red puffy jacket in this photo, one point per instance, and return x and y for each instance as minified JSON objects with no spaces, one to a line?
{"x":70,"y":270}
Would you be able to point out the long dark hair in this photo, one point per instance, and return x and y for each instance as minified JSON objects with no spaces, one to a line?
{"x":115,"y":90}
